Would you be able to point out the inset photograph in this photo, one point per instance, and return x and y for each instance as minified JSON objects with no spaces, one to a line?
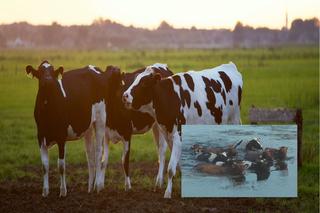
{"x":239,"y":161}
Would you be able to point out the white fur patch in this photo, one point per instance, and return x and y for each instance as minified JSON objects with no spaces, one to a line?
{"x":98,"y":114}
{"x":114,"y":135}
{"x":62,"y":89}
{"x":159,"y":65}
{"x":46,"y":65}
{"x":247,"y":163}
{"x":136,"y":81}
{"x":91,"y":67}
{"x":127,"y":183}
{"x":258,"y":141}
{"x":148,"y":109}
{"x":63,"y":185}
{"x":71,"y":133}
{"x":219,"y":163}
{"x":212,"y":157}
{"x":45,"y":163}
{"x":98,"y":109}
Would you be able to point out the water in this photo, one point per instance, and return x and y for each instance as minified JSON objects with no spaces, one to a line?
{"x":279,"y":183}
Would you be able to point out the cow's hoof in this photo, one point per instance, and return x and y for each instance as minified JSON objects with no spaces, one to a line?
{"x":90,"y":189}
{"x":167,"y":194}
{"x":45,"y":192}
{"x":127,"y":188}
{"x":100,"y":186}
{"x":63,"y":192}
{"x":158,"y":185}
{"x":127,"y":184}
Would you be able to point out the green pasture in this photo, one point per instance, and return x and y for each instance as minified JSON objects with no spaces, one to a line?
{"x":274,"y":77}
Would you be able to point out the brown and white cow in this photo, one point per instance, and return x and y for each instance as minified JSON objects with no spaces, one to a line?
{"x":211,"y":96}
{"x":67,"y":109}
{"x":122,"y":123}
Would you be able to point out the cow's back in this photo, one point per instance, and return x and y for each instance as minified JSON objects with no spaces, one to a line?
{"x":83,"y":89}
{"x":210,"y":96}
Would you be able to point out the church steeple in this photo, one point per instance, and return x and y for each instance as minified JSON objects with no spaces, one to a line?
{"x":286,"y":27}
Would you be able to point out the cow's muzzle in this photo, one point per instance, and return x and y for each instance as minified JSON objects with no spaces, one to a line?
{"x":126,"y":100}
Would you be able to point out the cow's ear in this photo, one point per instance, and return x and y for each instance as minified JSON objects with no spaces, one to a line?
{"x":114,"y":75}
{"x":58,"y":71}
{"x":122,"y":78}
{"x":31,"y":71}
{"x":111,"y":68}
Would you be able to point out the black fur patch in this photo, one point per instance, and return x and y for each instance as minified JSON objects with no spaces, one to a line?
{"x":226,"y":80}
{"x":239,"y":95}
{"x":198,"y":107}
{"x":216,"y":112}
{"x":189,"y":81}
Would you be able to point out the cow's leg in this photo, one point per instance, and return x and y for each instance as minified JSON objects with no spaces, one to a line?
{"x":125,"y":164}
{"x":62,"y":169}
{"x":90,"y":152}
{"x":45,"y":163}
{"x":174,"y":160}
{"x":162,"y":147}
{"x":105,"y":161}
{"x":100,"y":130}
{"x":236,"y":116}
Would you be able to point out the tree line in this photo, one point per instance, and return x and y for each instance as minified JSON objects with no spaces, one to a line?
{"x":107,"y":34}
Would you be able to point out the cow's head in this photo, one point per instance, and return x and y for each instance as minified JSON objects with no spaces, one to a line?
{"x":140,"y":91}
{"x":283,"y":152}
{"x":45,"y":73}
{"x":114,"y":82}
{"x":238,"y":168}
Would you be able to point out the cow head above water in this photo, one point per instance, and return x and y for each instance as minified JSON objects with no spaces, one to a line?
{"x":45,"y":73}
{"x":140,"y":91}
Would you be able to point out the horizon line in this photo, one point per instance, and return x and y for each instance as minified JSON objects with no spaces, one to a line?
{"x":154,"y":27}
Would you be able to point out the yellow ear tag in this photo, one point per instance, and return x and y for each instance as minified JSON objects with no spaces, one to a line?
{"x":122,"y":82}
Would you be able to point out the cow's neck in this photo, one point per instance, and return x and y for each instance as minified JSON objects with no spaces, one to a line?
{"x":51,"y":95}
{"x":166,"y":104}
{"x":115,"y":107}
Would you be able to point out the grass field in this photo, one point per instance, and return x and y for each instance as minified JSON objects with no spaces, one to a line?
{"x":279,"y":77}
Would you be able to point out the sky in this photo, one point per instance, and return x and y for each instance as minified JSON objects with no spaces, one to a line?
{"x":206,"y":14}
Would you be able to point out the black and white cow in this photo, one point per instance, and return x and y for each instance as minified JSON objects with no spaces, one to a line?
{"x":211,"y":96}
{"x":67,"y":109}
{"x":122,"y":123}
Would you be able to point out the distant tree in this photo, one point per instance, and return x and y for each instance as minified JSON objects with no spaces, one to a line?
{"x":98,"y":21}
{"x":193,"y":28}
{"x":101,"y":21}
{"x":304,"y":30}
{"x":164,"y":26}
{"x":238,"y":34}
{"x":3,"y":42}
